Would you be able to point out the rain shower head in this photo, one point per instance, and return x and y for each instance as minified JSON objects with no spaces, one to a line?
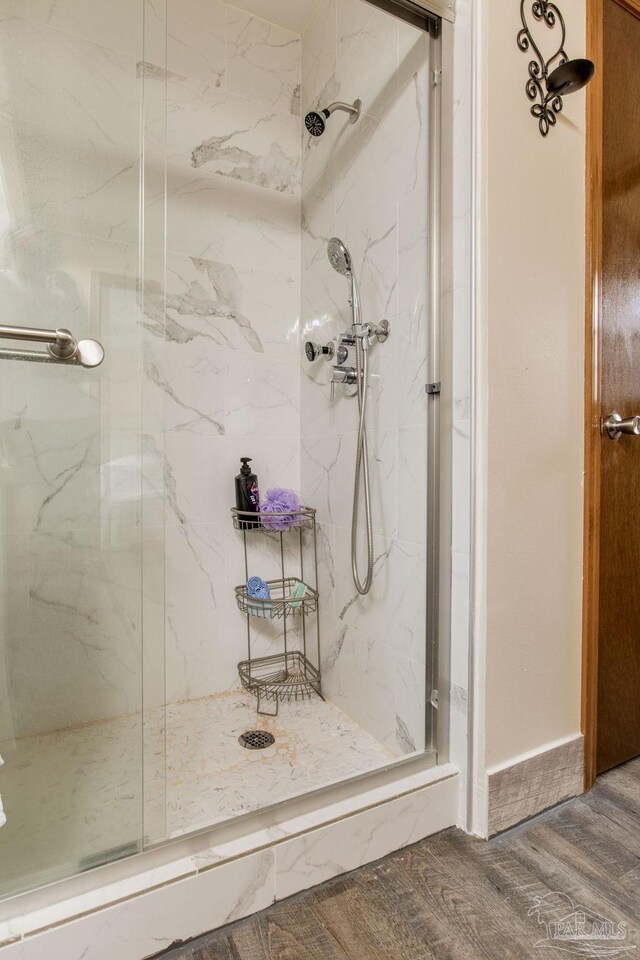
{"x":339,"y":257}
{"x":315,"y":120}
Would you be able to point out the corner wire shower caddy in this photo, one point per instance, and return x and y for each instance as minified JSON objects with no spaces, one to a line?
{"x":290,"y":674}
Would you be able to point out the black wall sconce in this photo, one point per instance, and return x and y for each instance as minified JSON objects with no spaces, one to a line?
{"x":549,"y":80}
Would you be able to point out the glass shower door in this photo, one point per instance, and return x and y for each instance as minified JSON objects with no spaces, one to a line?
{"x":71,"y":543}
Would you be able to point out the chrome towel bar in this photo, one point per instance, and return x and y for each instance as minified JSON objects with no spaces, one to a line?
{"x":61,"y":346}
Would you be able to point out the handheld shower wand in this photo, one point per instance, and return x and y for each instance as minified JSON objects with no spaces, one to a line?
{"x":340,"y":260}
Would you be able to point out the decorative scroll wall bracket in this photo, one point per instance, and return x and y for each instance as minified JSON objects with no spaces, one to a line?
{"x":551,"y":79}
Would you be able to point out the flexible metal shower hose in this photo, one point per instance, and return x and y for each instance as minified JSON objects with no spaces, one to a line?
{"x":362,"y":469}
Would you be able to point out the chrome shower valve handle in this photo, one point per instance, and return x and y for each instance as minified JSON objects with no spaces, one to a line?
{"x":346,"y":375}
{"x":315,"y":350}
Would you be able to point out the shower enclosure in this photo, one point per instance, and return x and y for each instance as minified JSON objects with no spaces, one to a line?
{"x":160,"y":194}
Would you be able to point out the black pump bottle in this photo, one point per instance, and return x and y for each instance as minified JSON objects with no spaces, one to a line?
{"x":247,"y":494}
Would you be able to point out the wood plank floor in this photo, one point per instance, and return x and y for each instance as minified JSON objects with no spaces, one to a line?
{"x":459,"y":898}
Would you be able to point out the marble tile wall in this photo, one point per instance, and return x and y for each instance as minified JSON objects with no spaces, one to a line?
{"x":70,"y":452}
{"x":222,"y":327}
{"x":367,"y":183}
{"x":128,"y":495}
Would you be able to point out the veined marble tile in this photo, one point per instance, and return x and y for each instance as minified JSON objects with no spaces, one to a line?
{"x":410,"y":704}
{"x":320,"y":854}
{"x":240,"y":308}
{"x":320,"y":486}
{"x":358,"y":676}
{"x":195,"y":566}
{"x":319,"y":53}
{"x":363,"y":171}
{"x":173,"y":913}
{"x":264,"y":559}
{"x":196,"y":40}
{"x":267,"y":636}
{"x":263,"y":61}
{"x":276,"y":464}
{"x":263,"y":396}
{"x":395,"y":610}
{"x":326,"y":537}
{"x":367,"y":56}
{"x":69,"y":279}
{"x":317,"y":412}
{"x":64,"y":183}
{"x":383,"y":472}
{"x":414,"y":54}
{"x":325,"y":308}
{"x":412,"y":483}
{"x":14,"y":584}
{"x":328,"y":474}
{"x":383,"y":157}
{"x":318,"y":196}
{"x":190,"y":375}
{"x":118,"y":25}
{"x":79,"y":659}
{"x":411,"y":333}
{"x":155,"y":32}
{"x":215,"y":133}
{"x":387,"y":380}
{"x":406,"y":121}
{"x":66,"y":494}
{"x":413,"y":252}
{"x":196,"y":206}
{"x":322,"y":575}
{"x":373,"y":243}
{"x":118,"y":384}
{"x":294,"y":15}
{"x":204,"y":299}
{"x":95,"y":95}
{"x":262,"y":229}
{"x":191,"y":476}
{"x":200,"y":659}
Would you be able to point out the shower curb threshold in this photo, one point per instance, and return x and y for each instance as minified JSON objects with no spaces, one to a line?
{"x":149,"y":902}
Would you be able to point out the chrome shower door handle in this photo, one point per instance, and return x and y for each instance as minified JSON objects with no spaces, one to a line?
{"x":60,"y":346}
{"x":616,"y":426}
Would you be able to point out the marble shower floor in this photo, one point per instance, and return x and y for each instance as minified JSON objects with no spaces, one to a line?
{"x":75,"y":795}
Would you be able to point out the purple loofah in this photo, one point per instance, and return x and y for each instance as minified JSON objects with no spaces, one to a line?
{"x":280,"y":500}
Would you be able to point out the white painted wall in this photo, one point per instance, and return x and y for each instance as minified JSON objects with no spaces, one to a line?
{"x":529,"y":351}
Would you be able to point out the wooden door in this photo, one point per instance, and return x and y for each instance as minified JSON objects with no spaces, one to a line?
{"x":618,"y":704}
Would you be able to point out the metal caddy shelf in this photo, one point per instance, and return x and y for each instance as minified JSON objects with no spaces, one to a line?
{"x":291,"y":674}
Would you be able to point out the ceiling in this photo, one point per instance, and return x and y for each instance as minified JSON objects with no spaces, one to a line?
{"x":293,"y":14}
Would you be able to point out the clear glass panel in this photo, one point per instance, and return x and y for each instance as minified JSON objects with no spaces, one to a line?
{"x":368,"y":184}
{"x":252,"y":201}
{"x":160,"y":193}
{"x":71,"y":545}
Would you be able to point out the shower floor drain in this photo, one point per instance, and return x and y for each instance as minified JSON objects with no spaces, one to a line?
{"x":256,"y":739}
